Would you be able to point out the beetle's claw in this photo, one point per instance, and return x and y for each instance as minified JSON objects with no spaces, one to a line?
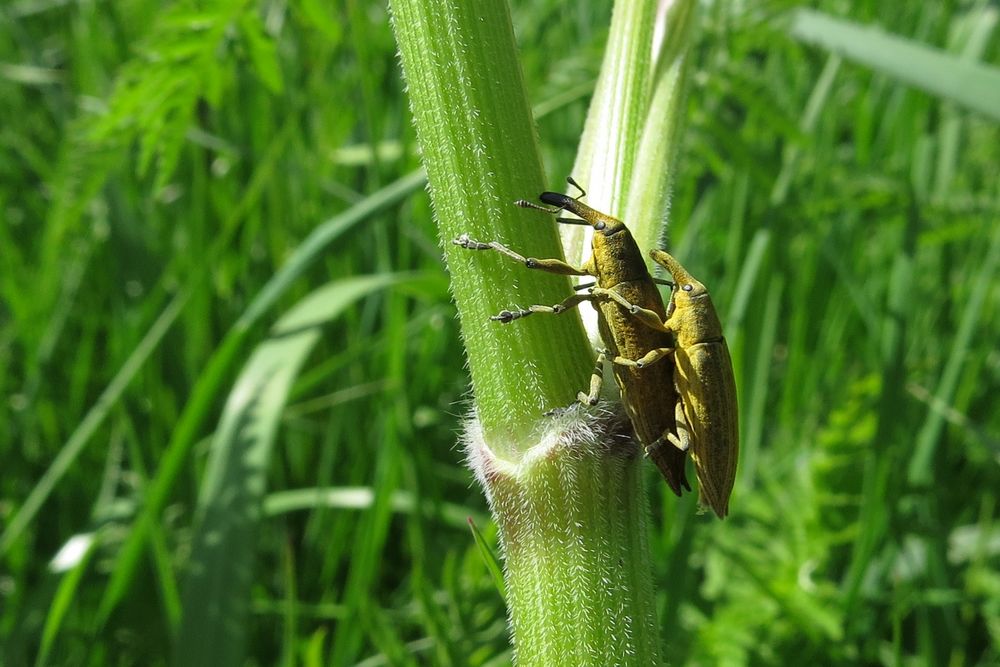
{"x":465,"y":241}
{"x":508,"y":316}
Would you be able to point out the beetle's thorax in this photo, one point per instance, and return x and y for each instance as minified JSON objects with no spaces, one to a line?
{"x":617,"y":258}
{"x":694,"y":319}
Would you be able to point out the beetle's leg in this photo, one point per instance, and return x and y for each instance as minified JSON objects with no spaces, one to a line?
{"x":596,"y":380}
{"x":507,"y":316}
{"x":650,"y":357}
{"x":550,"y":265}
{"x":644,"y":315}
{"x":682,"y":440}
{"x":671,"y":305}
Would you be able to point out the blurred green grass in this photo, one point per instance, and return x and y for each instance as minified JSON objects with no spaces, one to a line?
{"x":167,"y":162}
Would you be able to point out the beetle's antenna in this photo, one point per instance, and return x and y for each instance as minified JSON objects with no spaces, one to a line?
{"x":571,"y":181}
{"x":524,"y":203}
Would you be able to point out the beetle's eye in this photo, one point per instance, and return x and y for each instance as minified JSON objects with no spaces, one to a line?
{"x":687,"y":288}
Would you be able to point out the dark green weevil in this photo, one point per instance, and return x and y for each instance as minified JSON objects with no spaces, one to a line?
{"x":624,"y":288}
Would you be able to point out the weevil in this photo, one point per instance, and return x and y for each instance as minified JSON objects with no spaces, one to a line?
{"x":623,"y":288}
{"x":708,"y":422}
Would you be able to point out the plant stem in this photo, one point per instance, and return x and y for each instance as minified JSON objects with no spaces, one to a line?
{"x":648,"y":202}
{"x":477,"y":136}
{"x":573,"y":516}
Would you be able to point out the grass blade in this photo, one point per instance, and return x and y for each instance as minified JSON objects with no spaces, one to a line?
{"x":217,"y":590}
{"x":216,"y":371}
{"x":67,"y":593}
{"x":920,"y":470}
{"x":970,"y":84}
{"x":362,"y":498}
{"x":490,"y":558}
{"x":95,"y":417}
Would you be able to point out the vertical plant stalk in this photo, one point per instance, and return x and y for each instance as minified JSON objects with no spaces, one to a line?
{"x":573,"y":517}
{"x":565,"y":490}
{"x":628,"y":153}
{"x":611,"y":135}
{"x":479,"y":148}
{"x":648,"y":203}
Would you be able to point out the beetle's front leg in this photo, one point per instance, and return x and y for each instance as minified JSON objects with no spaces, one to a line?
{"x":507,"y":316}
{"x":644,"y":315}
{"x":548,"y":265}
{"x":650,"y":357}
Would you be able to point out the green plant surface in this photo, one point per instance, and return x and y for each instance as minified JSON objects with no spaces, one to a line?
{"x":219,"y":577}
{"x":844,"y":217}
{"x":475,"y":128}
{"x":950,"y":75}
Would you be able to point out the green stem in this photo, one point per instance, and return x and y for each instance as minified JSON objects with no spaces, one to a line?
{"x":612,"y":133}
{"x":628,"y":153}
{"x":477,"y":136}
{"x":573,"y":516}
{"x":649,"y":195}
{"x":618,"y":111}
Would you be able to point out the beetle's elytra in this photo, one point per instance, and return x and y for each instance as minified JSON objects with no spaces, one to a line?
{"x":671,"y":410}
{"x":703,"y":376}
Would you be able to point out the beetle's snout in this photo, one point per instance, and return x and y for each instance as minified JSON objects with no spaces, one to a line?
{"x":556,"y":199}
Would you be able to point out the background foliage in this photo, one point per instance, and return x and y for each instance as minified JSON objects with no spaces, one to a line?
{"x":161,"y":169}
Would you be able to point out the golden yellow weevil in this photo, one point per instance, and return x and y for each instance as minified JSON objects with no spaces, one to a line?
{"x":703,"y":376}
{"x":630,"y":318}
